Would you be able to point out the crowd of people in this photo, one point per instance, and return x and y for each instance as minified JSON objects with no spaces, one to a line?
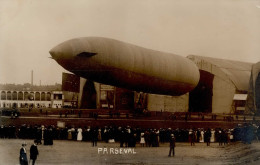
{"x":129,"y":137}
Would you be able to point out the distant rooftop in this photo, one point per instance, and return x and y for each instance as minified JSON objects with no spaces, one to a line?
{"x":28,"y":87}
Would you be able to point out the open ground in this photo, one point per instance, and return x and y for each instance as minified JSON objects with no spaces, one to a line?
{"x":73,"y":152}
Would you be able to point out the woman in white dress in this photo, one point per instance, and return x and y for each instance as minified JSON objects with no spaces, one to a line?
{"x":142,"y":141}
{"x":212,"y":138}
{"x":79,"y":136}
{"x":202,"y":136}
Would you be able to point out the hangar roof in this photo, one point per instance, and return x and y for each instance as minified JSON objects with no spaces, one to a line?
{"x":238,"y":72}
{"x":255,"y":72}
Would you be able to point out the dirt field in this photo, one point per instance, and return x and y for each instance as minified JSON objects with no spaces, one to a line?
{"x":73,"y":152}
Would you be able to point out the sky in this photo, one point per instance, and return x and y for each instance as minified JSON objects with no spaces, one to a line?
{"x":227,"y":29}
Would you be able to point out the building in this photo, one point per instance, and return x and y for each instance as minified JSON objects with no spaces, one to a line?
{"x":223,"y":85}
{"x":24,"y":96}
{"x":253,"y":99}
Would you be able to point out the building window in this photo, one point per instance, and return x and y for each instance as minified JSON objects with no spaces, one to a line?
{"x":48,"y":96}
{"x":43,"y":96}
{"x":57,"y":96}
{"x":9,"y":96}
{"x":37,"y":96}
{"x":26,"y":95}
{"x":20,"y":96}
{"x":14,"y":105}
{"x":3,"y":95}
{"x":31,"y":96}
{"x":14,"y":95}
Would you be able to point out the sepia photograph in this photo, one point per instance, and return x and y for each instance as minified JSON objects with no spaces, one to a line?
{"x":140,"y":82}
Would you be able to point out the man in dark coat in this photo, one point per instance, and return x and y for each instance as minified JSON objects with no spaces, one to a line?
{"x":172,"y":145}
{"x":94,"y":136}
{"x":207,"y":137}
{"x":192,"y":138}
{"x":23,"y":155}
{"x":34,"y":152}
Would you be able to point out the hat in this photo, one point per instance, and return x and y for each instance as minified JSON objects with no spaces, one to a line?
{"x":24,"y":143}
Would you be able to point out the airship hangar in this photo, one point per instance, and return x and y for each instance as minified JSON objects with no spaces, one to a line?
{"x":140,"y":78}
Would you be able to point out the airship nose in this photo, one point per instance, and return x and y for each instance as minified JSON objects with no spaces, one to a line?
{"x":71,"y":49}
{"x":53,"y":53}
{"x":62,"y":51}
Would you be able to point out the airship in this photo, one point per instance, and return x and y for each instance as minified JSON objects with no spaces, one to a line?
{"x":125,"y":65}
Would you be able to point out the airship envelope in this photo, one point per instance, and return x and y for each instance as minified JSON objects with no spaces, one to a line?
{"x":125,"y":65}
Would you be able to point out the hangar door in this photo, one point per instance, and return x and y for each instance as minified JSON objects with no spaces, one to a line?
{"x":89,"y":96}
{"x":200,"y":98}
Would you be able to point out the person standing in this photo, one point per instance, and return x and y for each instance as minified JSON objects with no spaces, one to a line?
{"x":202,"y":136}
{"x":192,"y":137}
{"x":79,"y":135}
{"x":73,"y":133}
{"x":38,"y":134}
{"x":220,"y":137}
{"x":34,"y":152}
{"x":142,"y":141}
{"x":42,"y":132}
{"x":212,"y":138}
{"x":147,"y":138}
{"x":172,"y":145}
{"x":94,"y":136}
{"x":69,"y":134}
{"x":207,"y":137}
{"x":99,"y":134}
{"x":23,"y":155}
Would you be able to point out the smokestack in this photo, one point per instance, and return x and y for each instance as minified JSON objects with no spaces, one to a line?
{"x":32,"y":78}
